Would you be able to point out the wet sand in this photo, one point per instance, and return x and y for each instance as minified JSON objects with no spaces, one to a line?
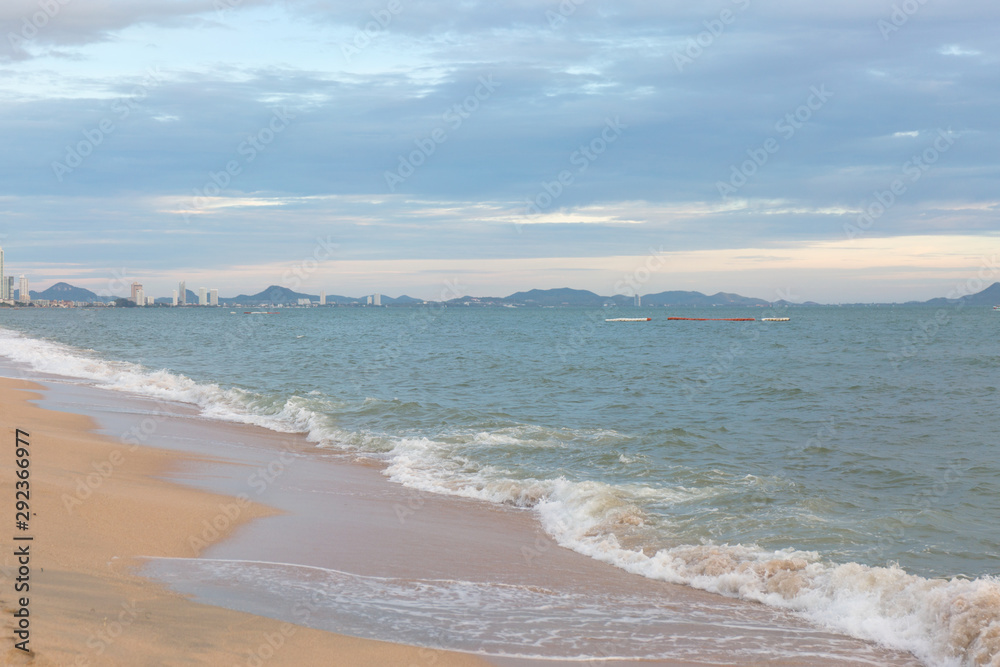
{"x":306,"y":508}
{"x":95,"y":505}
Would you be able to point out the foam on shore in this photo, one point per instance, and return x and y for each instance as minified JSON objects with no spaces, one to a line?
{"x":944,"y":622}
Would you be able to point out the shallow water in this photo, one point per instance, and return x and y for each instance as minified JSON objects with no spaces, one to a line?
{"x":843,"y":464}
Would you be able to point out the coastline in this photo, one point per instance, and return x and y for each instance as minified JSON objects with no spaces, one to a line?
{"x":96,"y":505}
{"x":478,"y":543}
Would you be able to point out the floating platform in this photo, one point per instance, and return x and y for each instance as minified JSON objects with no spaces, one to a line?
{"x":714,"y":319}
{"x":775,"y":319}
{"x":630,"y":319}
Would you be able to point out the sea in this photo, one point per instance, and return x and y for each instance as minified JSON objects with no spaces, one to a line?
{"x":859,"y":446}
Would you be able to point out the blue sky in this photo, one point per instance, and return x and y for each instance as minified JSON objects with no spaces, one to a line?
{"x":814,"y":151}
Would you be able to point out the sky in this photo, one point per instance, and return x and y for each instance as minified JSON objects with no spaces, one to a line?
{"x":831,"y":152}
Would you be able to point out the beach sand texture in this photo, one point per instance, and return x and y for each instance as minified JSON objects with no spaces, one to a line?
{"x":100,"y":505}
{"x":88,"y":607}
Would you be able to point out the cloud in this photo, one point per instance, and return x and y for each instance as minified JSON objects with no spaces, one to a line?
{"x":399,"y":150}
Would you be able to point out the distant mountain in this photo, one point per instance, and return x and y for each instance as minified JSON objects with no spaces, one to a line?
{"x":988,"y":297}
{"x":573,"y":297}
{"x":67,"y":292}
{"x":563,"y":296}
{"x":273,"y":295}
{"x":782,"y":302}
{"x":681,"y":298}
{"x":400,"y":300}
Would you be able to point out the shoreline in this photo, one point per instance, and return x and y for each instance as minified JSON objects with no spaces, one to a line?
{"x":444,"y":537}
{"x":96,"y":505}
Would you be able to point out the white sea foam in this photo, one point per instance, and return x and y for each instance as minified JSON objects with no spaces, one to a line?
{"x":504,"y":619}
{"x":943,"y":622}
{"x":950,"y":623}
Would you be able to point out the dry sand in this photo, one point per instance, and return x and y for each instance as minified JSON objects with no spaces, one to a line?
{"x":86,"y":604}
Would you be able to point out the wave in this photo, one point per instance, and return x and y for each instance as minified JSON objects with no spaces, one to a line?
{"x":952,"y":623}
{"x":499,"y":619}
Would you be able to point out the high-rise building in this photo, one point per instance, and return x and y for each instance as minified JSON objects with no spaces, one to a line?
{"x":24,"y":295}
{"x":369,"y":302}
{"x":3,"y":281}
{"x":322,"y":294}
{"x":638,"y":301}
{"x":150,"y":301}
{"x":182,"y":292}
{"x":377,"y":300}
{"x":9,"y":280}
{"x":174,"y":302}
{"x":136,"y":297}
{"x":213,"y":297}
{"x":202,"y":296}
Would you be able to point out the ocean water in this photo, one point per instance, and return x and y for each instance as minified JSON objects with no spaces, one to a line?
{"x":843,"y":465}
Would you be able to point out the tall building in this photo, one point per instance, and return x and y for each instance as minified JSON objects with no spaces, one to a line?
{"x":202,"y":296}
{"x":638,"y":301}
{"x":213,"y":297}
{"x":136,"y":297}
{"x":3,"y":281}
{"x":369,"y":302}
{"x":174,"y":302}
{"x":182,"y":293}
{"x":322,"y":294}
{"x":377,"y":300}
{"x":24,"y":296}
{"x":9,"y":281}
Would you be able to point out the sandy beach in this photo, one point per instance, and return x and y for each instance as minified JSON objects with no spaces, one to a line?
{"x":94,"y":505}
{"x":112,"y":519}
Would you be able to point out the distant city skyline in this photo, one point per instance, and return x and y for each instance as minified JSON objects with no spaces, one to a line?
{"x":979,"y":288}
{"x":764,"y":157}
